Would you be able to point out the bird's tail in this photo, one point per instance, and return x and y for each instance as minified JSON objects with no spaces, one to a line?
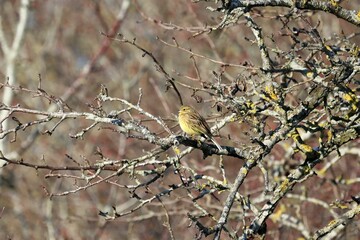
{"x":217,"y":145}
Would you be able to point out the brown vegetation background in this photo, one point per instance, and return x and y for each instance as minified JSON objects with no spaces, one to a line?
{"x":63,"y":38}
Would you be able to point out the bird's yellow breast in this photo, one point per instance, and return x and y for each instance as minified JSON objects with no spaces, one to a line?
{"x":187,"y":129}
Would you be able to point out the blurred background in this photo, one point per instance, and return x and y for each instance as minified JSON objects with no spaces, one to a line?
{"x":63,"y":46}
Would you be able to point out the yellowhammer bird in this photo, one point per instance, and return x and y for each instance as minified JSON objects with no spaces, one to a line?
{"x":192,"y":123}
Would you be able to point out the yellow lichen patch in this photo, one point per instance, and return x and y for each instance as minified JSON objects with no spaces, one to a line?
{"x":225,"y":181}
{"x":334,"y":3}
{"x":310,"y":74}
{"x":328,"y":48}
{"x":354,"y":107}
{"x":243,"y":171}
{"x":321,"y":172}
{"x":176,"y":150}
{"x":276,"y":216}
{"x":338,"y":204}
{"x":323,"y":124}
{"x":349,"y":97}
{"x":305,"y":148}
{"x":329,"y":136}
{"x":294,"y":135}
{"x":356,"y":50}
{"x":306,"y":169}
{"x":284,"y":185}
{"x":202,"y":186}
{"x":251,"y":161}
{"x":251,"y":106}
{"x":233,"y":119}
{"x":271,"y":92}
{"x":299,"y":142}
{"x":332,"y":223}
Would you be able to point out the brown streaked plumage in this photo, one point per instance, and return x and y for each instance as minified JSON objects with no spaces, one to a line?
{"x":192,"y":123}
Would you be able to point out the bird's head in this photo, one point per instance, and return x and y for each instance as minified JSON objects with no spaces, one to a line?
{"x":185,"y":109}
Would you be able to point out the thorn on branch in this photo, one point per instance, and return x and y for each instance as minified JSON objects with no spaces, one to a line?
{"x":103,"y":214}
{"x":104,"y":91}
{"x":134,"y":195}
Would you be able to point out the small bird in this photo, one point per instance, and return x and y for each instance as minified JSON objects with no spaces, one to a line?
{"x":192,"y":123}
